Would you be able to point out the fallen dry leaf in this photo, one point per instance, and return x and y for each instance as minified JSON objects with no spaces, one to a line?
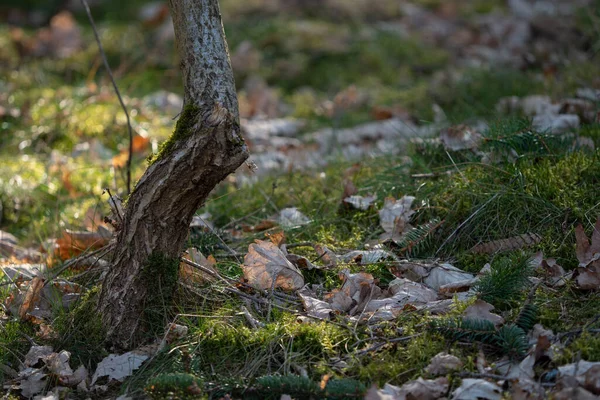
{"x":356,"y":285}
{"x":460,"y":137}
{"x":588,"y":278}
{"x":301,"y":262}
{"x":73,"y":243}
{"x":425,"y":389}
{"x":422,"y":389}
{"x":526,"y":389}
{"x":522,"y":370}
{"x":579,"y":370}
{"x":315,"y":307}
{"x":588,"y":253}
{"x":446,"y":274}
{"x":328,"y":257}
{"x":31,"y":297}
{"x":477,"y":389}
{"x":37,"y":301}
{"x":292,"y":217}
{"x":443,"y":363}
{"x":360,"y":202}
{"x":266,"y":266}
{"x":394,"y":216}
{"x":35,"y":354}
{"x":365,"y":257}
{"x":118,"y":367}
{"x":571,"y":393}
{"x":277,"y":238}
{"x":261,"y":226}
{"x":196,"y":275}
{"x":78,"y":376}
{"x":554,"y":274}
{"x":482,"y":310}
{"x":58,"y":364}
{"x":32,"y":382}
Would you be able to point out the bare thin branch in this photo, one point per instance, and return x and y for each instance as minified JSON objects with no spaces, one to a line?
{"x":112,"y":79}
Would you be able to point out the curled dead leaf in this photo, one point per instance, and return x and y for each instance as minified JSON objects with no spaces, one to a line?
{"x":32,"y":296}
{"x":443,"y":363}
{"x":482,"y":310}
{"x":460,"y":137}
{"x":395,"y":214}
{"x":266,"y":266}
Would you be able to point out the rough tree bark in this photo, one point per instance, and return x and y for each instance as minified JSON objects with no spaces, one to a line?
{"x":205,"y":147}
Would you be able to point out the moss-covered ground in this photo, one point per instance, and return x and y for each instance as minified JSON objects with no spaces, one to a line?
{"x":541,"y":184}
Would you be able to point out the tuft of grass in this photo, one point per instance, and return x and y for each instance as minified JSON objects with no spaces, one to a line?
{"x":13,"y":344}
{"x":80,"y":331}
{"x":175,"y":385}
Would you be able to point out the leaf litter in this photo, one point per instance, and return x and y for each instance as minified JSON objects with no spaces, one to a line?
{"x":360,"y":293}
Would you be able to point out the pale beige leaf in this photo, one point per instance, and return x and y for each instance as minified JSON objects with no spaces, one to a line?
{"x":526,"y":389}
{"x":58,"y":363}
{"x":424,"y":389}
{"x":339,"y":300}
{"x":315,"y":307}
{"x":477,"y":389}
{"x":588,"y":278}
{"x":395,"y":214}
{"x":36,"y":353}
{"x":292,"y":217}
{"x":522,"y":370}
{"x":32,"y":383}
{"x":460,"y":137}
{"x":80,"y":375}
{"x":368,"y":256}
{"x":581,"y":371}
{"x":445,"y":274}
{"x":413,"y":291}
{"x":443,"y":363}
{"x":118,"y":367}
{"x":360,"y":202}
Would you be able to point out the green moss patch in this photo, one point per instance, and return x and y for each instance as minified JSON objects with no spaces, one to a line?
{"x":160,"y":274}
{"x":187,"y":120}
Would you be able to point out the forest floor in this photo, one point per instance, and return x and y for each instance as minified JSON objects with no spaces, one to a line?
{"x":423,"y":220}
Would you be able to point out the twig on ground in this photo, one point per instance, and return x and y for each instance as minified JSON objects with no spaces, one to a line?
{"x":432,"y":175}
{"x":113,"y":204}
{"x":81,"y":259}
{"x":10,"y":281}
{"x":253,"y":322}
{"x":378,"y":345}
{"x":299,"y":244}
{"x":577,"y":332}
{"x":363,"y":309}
{"x":479,"y":375}
{"x":86,"y":6}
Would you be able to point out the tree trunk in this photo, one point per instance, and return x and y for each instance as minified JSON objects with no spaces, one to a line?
{"x":205,"y":147}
